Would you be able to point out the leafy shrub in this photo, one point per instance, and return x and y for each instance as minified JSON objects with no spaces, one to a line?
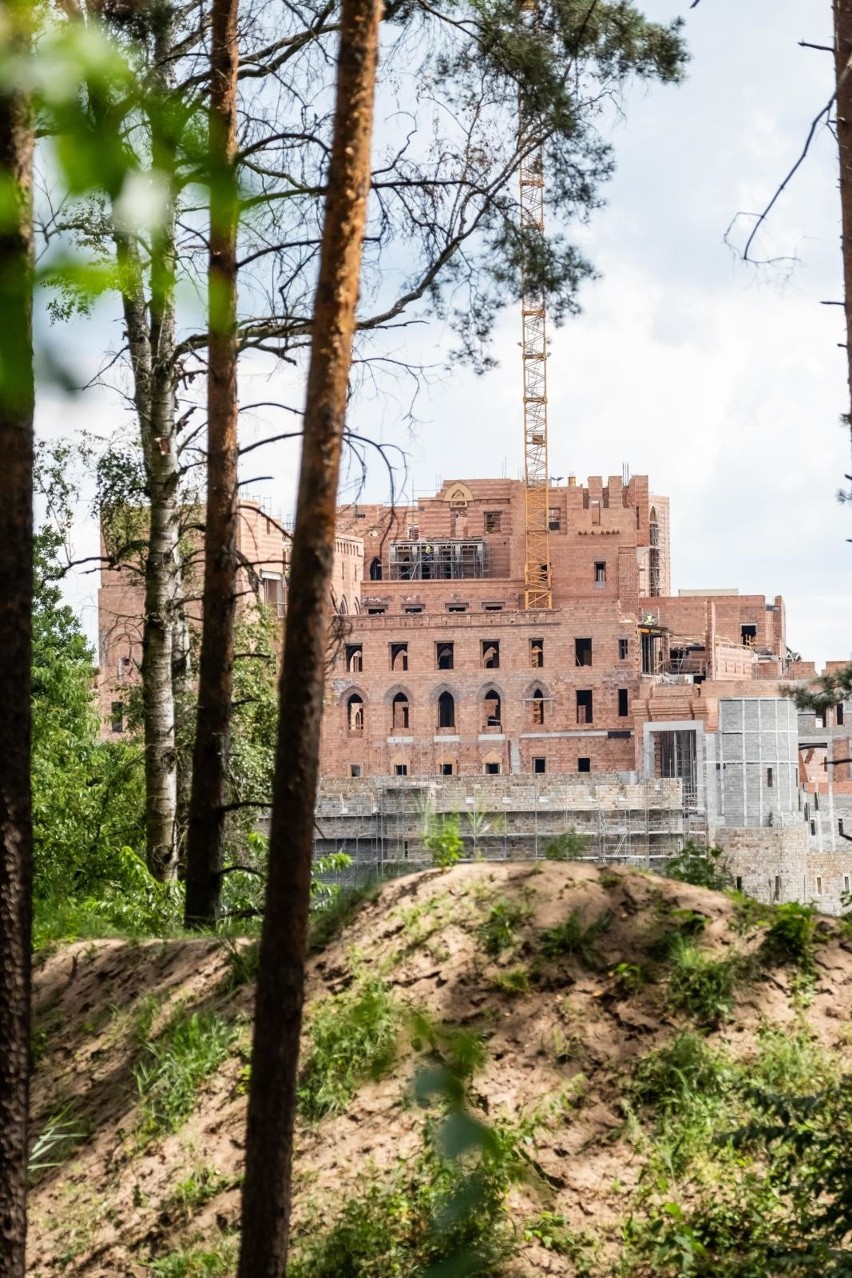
{"x":174,"y":1066}
{"x":791,"y":936}
{"x":670,"y":1079}
{"x":701,"y":986}
{"x":629,"y":978}
{"x":575,"y":936}
{"x":445,"y":842}
{"x":702,"y":867}
{"x":569,"y":846}
{"x":197,"y":1262}
{"x":351,"y":1037}
{"x":499,"y":930}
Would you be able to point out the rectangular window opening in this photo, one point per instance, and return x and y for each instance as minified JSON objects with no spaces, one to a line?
{"x":400,"y":769}
{"x":411,"y":609}
{"x":536,"y":653}
{"x":819,"y":885}
{"x":584,"y":706}
{"x":117,"y":716}
{"x":738,"y":883}
{"x":354,"y":658}
{"x":582,"y":652}
{"x":838,"y":715}
{"x":600,"y":573}
{"x":377,"y":610}
{"x":492,"y":769}
{"x":444,"y":656}
{"x":539,"y":764}
{"x":490,"y":654}
{"x":623,"y":649}
{"x":493,"y":520}
{"x":456,"y":607}
{"x":354,"y":769}
{"x":623,"y":709}
{"x":776,"y":890}
{"x":399,"y":656}
{"x":447,"y":769}
{"x":770,"y":778}
{"x":584,"y":765}
{"x":748,"y":635}
{"x":554,"y":520}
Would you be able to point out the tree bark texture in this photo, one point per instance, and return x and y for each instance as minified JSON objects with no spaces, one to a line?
{"x":216,"y":662}
{"x":283,"y":945}
{"x":16,"y":578}
{"x":843,"y":108}
{"x":150,"y":325}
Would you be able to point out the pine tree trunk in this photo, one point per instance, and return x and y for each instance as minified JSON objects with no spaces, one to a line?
{"x":216,"y":662}
{"x":280,"y":990}
{"x":16,"y":578}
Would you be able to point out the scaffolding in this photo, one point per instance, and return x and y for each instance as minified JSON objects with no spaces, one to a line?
{"x":453,"y":560}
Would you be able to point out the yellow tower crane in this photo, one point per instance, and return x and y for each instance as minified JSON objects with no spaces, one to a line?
{"x":538,"y":589}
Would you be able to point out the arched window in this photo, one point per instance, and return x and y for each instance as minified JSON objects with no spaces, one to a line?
{"x":355,"y":713}
{"x":492,"y":716}
{"x":399,"y":713}
{"x":446,"y":710}
{"x":375,"y":569}
{"x":538,"y":706}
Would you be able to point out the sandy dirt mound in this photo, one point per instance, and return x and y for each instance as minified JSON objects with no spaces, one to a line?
{"x":560,"y":970}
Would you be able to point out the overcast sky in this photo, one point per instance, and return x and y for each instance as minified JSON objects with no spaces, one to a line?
{"x":724,"y":383}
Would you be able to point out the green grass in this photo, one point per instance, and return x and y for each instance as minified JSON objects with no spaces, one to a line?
{"x":499,"y":930}
{"x":173,"y":1067}
{"x":671,"y":1079}
{"x":576,"y":937}
{"x":200,"y":1187}
{"x":197,"y":1262}
{"x":335,"y":913}
{"x":791,"y":936}
{"x":700,"y":986}
{"x":513,"y":981}
{"x":350,"y":1037}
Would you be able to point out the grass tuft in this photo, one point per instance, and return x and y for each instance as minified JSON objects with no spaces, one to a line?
{"x":175,"y":1065}
{"x":700,"y":986}
{"x":351,"y":1037}
{"x":576,"y":937}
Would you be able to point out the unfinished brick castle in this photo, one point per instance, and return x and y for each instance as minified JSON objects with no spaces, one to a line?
{"x":635,"y":716}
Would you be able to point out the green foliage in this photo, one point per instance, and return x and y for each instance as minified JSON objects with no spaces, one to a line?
{"x":569,"y":846}
{"x":576,"y":937}
{"x":441,"y":1214}
{"x":200,"y":1187}
{"x":699,"y":985}
{"x":55,"y":1142}
{"x":671,"y":1079}
{"x":197,"y":1262}
{"x":629,"y":978}
{"x":513,"y":980}
{"x":174,"y":1066}
{"x":444,"y":841}
{"x":350,"y":1037}
{"x":550,"y":1230}
{"x":702,"y":867}
{"x":333,"y":914}
{"x":459,"y":1050}
{"x":499,"y":931}
{"x":791,"y":936}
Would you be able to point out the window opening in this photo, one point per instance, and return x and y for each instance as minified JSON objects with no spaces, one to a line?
{"x":838,"y":715}
{"x":776,"y":890}
{"x":400,"y":710}
{"x":584,"y":706}
{"x":378,"y":610}
{"x":539,"y":764}
{"x":493,"y":520}
{"x":354,"y":658}
{"x":355,"y":713}
{"x":536,"y":653}
{"x":493,"y":607}
{"x":492,"y":769}
{"x":623,"y":649}
{"x":738,"y":883}
{"x":553,"y":519}
{"x":822,"y":718}
{"x":412,"y":608}
{"x":447,"y":769}
{"x":117,"y":716}
{"x":490,"y":654}
{"x":623,"y":709}
{"x":748,"y":635}
{"x":819,"y":885}
{"x":446,"y":710}
{"x":600,"y":573}
{"x":399,"y":656}
{"x":584,"y":765}
{"x":444,"y":656}
{"x":456,"y":607}
{"x":273,"y":595}
{"x":400,"y":769}
{"x":491,"y":709}
{"x":538,"y":706}
{"x":582,"y":652}
{"x":354,"y":769}
{"x":375,"y":569}
{"x":770,"y":778}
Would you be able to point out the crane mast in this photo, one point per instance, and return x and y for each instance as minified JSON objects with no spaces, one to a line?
{"x":538,"y":590}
